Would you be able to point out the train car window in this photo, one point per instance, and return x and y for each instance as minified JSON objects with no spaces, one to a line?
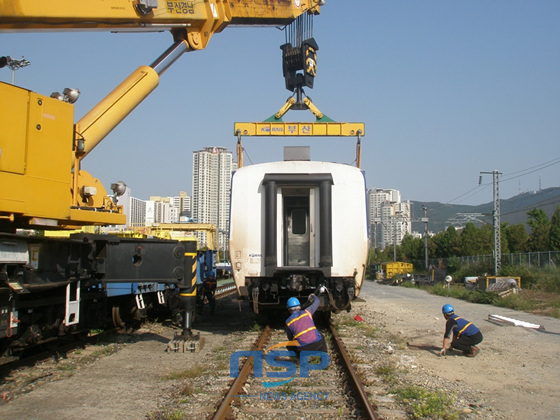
{"x":299,"y":221}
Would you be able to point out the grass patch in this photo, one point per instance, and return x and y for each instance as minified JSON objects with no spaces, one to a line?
{"x":188,"y":390}
{"x":191,"y":373}
{"x":540,"y":293}
{"x":533,"y":300}
{"x":387,"y":371}
{"x":68,"y":370}
{"x":167,"y":415}
{"x":104,"y":351}
{"x":288,"y":389}
{"x":366,"y":329}
{"x":256,"y":327}
{"x":424,"y":404}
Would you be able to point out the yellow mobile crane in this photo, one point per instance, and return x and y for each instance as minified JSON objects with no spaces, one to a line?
{"x":42,"y":148}
{"x":52,"y":286}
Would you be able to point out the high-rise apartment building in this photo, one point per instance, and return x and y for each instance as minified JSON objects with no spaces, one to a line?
{"x":134,"y":209}
{"x":137,"y":215}
{"x":182,"y":204}
{"x":389,"y":217}
{"x":175,"y":209}
{"x":211,"y":186}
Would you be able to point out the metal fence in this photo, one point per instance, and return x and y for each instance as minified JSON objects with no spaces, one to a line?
{"x":532,"y":259}
{"x":529,"y":259}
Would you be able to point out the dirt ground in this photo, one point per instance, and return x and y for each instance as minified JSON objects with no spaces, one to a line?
{"x":517,"y":370}
{"x":516,"y":374}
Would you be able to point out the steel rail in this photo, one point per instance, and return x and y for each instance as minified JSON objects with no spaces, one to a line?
{"x":355,"y":381}
{"x":225,"y":288}
{"x":7,"y":364}
{"x":224,"y":410}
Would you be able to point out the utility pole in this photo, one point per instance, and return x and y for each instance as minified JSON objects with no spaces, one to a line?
{"x":496,"y":219}
{"x":396,"y":217}
{"x":376,"y":221}
{"x":13,"y":64}
{"x":425,"y":220}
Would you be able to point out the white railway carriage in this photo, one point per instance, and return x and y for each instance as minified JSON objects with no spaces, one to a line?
{"x":296,"y":226}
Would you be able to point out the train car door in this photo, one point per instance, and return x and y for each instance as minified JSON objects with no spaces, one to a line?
{"x":296,"y":227}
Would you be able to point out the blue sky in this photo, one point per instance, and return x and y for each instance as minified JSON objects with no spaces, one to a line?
{"x":446,"y":89}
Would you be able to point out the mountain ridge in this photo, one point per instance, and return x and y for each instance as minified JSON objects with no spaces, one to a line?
{"x":512,"y":210}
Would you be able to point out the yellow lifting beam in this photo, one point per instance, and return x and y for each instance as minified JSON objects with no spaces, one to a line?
{"x":299,"y":129}
{"x":275,"y":127}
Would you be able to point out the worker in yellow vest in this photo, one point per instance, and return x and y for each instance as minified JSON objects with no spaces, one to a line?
{"x":459,"y":333}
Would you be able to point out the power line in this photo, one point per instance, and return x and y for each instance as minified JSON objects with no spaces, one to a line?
{"x":548,"y":201}
{"x":538,"y":168}
{"x":522,"y":172}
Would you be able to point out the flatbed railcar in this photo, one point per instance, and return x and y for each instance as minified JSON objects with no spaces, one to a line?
{"x":57,"y":287}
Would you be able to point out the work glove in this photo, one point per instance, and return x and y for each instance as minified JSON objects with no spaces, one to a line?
{"x":311,"y":297}
{"x":323,"y":289}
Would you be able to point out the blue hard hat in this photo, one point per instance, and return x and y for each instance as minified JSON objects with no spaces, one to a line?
{"x":447,"y":309}
{"x":211,"y":274}
{"x":292,"y":302}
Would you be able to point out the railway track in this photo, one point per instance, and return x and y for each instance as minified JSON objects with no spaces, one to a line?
{"x":336,"y":389}
{"x":54,"y":345}
{"x":225,"y":289}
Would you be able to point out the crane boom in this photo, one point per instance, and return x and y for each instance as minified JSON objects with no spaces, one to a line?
{"x":194,"y":21}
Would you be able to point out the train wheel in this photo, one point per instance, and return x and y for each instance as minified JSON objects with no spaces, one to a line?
{"x":117,"y":320}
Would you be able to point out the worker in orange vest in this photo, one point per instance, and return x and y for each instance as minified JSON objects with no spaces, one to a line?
{"x":301,"y":327}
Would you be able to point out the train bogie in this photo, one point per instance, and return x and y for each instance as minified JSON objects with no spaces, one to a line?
{"x":296,"y":226}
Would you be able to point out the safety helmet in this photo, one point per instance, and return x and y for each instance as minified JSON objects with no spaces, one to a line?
{"x":447,"y":309}
{"x":211,"y":274}
{"x":292,"y":302}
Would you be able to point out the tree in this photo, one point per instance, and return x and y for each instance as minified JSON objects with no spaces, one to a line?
{"x":516,"y":237}
{"x":445,"y":244}
{"x":537,"y":217}
{"x":411,"y":248}
{"x":540,"y":231}
{"x":451,"y":243}
{"x":470,"y":240}
{"x":555,"y":231}
{"x":433,"y":242}
{"x":504,"y":239}
{"x":486,"y":240}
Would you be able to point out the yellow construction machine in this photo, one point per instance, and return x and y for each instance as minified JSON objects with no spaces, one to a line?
{"x":42,"y":147}
{"x":53,"y":286}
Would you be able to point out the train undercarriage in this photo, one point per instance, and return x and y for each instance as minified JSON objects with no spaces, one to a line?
{"x":272,"y":293}
{"x":53,"y":288}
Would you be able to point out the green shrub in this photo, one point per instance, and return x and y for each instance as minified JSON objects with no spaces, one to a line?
{"x":427,"y":404}
{"x":480,"y":296}
{"x":549,"y":280}
{"x":529,"y":276}
{"x":540,"y":291}
{"x":514,"y":301}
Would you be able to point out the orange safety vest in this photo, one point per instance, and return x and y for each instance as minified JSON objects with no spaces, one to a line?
{"x":302,"y":327}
